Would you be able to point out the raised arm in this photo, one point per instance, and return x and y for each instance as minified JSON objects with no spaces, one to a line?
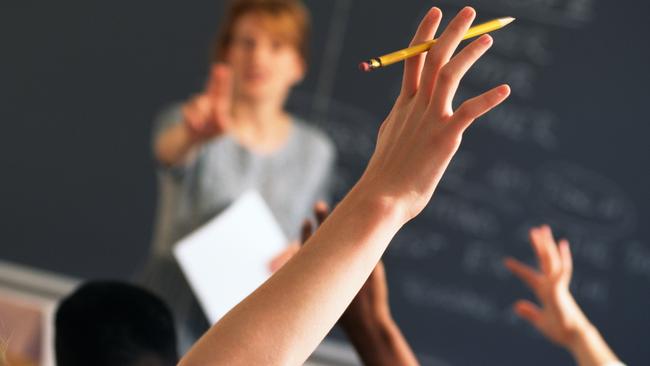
{"x":559,"y":318}
{"x":285,"y":319}
{"x":205,"y":116}
{"x":368,"y":321}
{"x":369,"y":324}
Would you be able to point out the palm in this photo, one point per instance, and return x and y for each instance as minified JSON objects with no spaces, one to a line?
{"x":559,"y":314}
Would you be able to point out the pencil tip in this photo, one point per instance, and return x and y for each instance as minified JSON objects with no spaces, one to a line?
{"x":507,"y":20}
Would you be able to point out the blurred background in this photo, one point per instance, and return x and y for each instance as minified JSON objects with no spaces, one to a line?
{"x":81,"y":82}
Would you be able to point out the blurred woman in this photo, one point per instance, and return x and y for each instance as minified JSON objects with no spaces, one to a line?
{"x":234,"y":136}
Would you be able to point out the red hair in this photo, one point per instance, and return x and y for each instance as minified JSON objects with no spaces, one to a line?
{"x":286,"y":19}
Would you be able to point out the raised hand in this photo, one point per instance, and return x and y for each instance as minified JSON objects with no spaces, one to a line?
{"x":371,"y":303}
{"x":422,"y":132}
{"x":368,"y":321}
{"x":558,"y":317}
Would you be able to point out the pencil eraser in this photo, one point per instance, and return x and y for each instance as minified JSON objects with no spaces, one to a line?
{"x":364,"y":66}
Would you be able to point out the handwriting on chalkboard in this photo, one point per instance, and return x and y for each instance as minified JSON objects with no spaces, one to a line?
{"x":450,"y":298}
{"x":517,"y":171}
{"x":482,"y":258}
{"x":567,"y":13}
{"x":524,"y":125}
{"x":417,"y":245}
{"x":584,"y":201}
{"x":465,"y":216}
{"x":426,"y":359}
{"x":492,"y":70}
{"x":637,"y":259}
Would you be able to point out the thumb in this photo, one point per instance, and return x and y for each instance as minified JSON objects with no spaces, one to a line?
{"x":529,"y":312}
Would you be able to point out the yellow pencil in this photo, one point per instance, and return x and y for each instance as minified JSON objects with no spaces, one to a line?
{"x":400,"y":55}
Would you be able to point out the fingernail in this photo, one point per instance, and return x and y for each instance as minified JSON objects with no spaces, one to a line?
{"x":504,"y":90}
{"x":467,"y":12}
{"x":485,"y":39}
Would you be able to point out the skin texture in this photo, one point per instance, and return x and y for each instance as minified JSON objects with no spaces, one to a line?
{"x":284,"y":256}
{"x":367,"y":321}
{"x":415,"y":144}
{"x":558,"y":317}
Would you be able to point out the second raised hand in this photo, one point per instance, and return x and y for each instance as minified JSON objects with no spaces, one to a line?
{"x":559,"y":318}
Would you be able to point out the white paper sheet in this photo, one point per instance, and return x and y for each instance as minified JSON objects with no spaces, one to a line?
{"x":228,"y":258}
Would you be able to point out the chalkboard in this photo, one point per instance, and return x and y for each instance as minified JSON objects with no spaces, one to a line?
{"x":81,"y":82}
{"x":567,"y":149}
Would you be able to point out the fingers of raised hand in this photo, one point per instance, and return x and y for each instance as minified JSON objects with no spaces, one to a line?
{"x":525,"y":273}
{"x":436,"y":82}
{"x":413,"y":66}
{"x":530,"y":312}
{"x":551,"y":249}
{"x":539,"y":248}
{"x":555,"y":259}
{"x":451,"y":74}
{"x":442,"y":51}
{"x":473,"y":108}
{"x":566,"y":259}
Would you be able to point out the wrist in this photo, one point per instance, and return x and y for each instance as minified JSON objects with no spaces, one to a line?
{"x":393,"y":209}
{"x":589,"y":348}
{"x":579,"y":337}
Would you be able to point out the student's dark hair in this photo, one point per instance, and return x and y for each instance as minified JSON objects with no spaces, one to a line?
{"x":114,"y":324}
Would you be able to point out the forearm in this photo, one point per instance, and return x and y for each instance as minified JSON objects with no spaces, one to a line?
{"x":590,"y":349}
{"x":174,"y":145}
{"x":285,"y":319}
{"x":380,"y":342}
